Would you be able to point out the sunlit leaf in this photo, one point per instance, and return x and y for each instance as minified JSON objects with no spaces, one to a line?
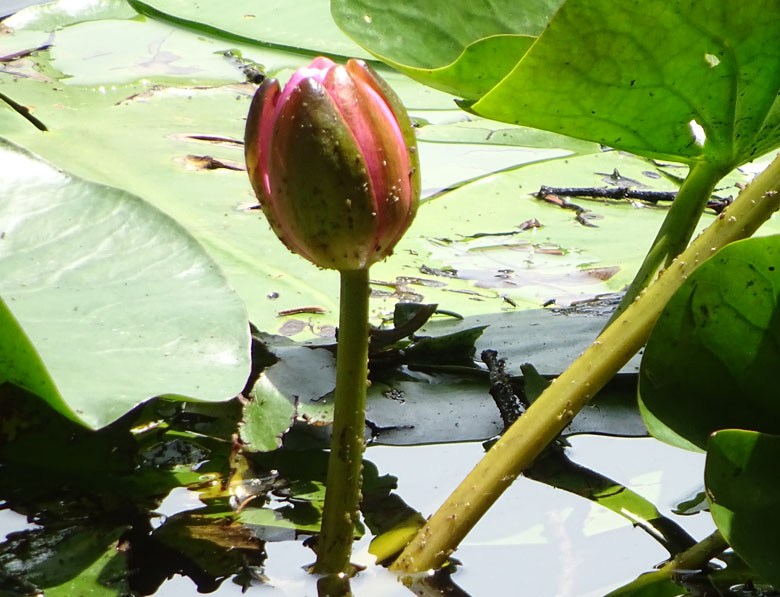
{"x":304,"y":25}
{"x":634,"y":76}
{"x":108,"y":302}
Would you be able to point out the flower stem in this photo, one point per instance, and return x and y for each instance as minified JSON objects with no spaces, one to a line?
{"x":677,"y":228}
{"x":342,"y":494}
{"x":562,"y":400}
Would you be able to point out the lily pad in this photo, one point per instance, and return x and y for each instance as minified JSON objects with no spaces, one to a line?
{"x":108,"y":302}
{"x":710,"y":361}
{"x":304,"y":25}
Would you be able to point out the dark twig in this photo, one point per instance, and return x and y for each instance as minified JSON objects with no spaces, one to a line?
{"x":717,"y":204}
{"x":508,"y":403}
{"x":24,"y":112}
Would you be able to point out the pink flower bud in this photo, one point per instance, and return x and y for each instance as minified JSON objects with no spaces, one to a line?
{"x":333,"y":160}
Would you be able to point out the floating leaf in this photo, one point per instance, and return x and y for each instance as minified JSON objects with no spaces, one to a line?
{"x":272,"y":22}
{"x":108,"y":302}
{"x":266,"y":417}
{"x":70,"y":561}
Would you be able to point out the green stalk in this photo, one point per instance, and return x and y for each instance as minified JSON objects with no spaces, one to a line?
{"x":564,"y":398}
{"x":677,"y":228}
{"x":695,"y":557}
{"x":342,"y":494}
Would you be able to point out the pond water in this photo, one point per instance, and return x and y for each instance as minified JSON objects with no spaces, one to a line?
{"x":536,"y":537}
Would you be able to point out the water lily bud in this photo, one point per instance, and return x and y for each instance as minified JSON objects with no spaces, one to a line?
{"x":333,"y":160}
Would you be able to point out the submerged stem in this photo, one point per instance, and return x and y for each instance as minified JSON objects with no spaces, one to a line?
{"x":562,"y":400}
{"x":342,"y":494}
{"x":677,"y":228}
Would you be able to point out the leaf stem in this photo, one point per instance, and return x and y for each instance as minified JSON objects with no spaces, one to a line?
{"x":693,"y":558}
{"x":677,"y":228}
{"x":342,"y":494}
{"x":697,"y":556}
{"x":565,"y":397}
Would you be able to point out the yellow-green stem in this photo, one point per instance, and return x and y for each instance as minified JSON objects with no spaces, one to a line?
{"x":342,"y":494}
{"x":564,"y":398}
{"x":677,"y":228}
{"x":695,"y":557}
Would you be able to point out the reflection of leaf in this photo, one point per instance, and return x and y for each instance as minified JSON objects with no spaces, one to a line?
{"x":219,"y":546}
{"x":633,"y":76}
{"x":554,"y":468}
{"x":99,"y":286}
{"x":744,"y":492}
{"x":710,"y":362}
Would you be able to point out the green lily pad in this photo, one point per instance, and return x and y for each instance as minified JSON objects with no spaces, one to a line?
{"x":304,"y":25}
{"x":181,"y":132}
{"x":47,"y":17}
{"x":635,"y":76}
{"x":463,"y":47}
{"x":266,"y":417}
{"x":744,"y":493}
{"x":107,"y":301}
{"x":710,"y":361}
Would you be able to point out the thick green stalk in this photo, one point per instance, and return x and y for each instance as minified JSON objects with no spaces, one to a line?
{"x":564,"y":398}
{"x":342,"y":494}
{"x":677,"y":228}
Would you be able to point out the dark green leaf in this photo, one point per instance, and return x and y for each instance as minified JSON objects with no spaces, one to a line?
{"x":744,"y":491}
{"x":46,"y":558}
{"x":711,"y":360}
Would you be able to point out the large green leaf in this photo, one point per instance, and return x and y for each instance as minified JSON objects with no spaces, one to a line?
{"x":462,"y":47}
{"x":107,"y":301}
{"x":301,"y":25}
{"x":635,"y":75}
{"x":710,"y":363}
{"x":744,"y":492}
